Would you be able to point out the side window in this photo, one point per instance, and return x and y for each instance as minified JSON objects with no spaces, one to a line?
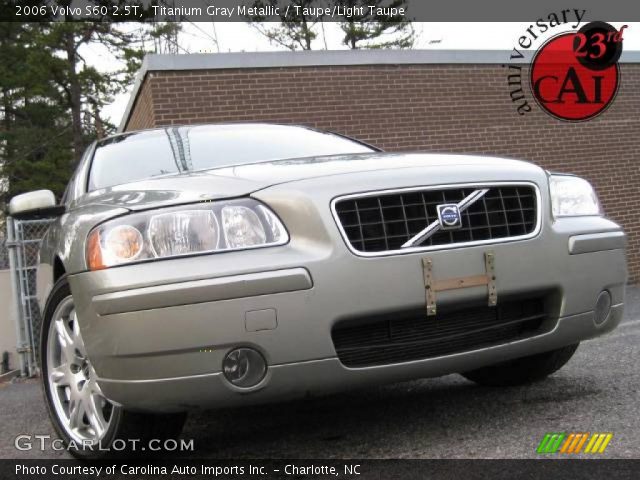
{"x":69,"y":193}
{"x":78,"y":183}
{"x":65,"y":196}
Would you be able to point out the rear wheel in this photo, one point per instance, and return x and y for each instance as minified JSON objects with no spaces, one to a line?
{"x":86,"y":421}
{"x":522,"y":370}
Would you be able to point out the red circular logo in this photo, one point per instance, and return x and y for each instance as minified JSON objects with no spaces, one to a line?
{"x":573,"y":76}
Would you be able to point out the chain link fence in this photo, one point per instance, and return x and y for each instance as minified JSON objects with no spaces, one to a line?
{"x":24,"y":238}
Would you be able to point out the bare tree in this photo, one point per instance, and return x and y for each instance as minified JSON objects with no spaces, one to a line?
{"x":370,"y":29}
{"x":296,"y":30}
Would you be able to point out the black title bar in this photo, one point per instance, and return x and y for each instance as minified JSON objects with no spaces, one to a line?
{"x":319,"y":10}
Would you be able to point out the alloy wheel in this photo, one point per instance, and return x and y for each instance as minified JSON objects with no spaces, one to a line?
{"x":82,"y":410}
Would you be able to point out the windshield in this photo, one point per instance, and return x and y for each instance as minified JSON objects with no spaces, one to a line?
{"x":139,"y":155}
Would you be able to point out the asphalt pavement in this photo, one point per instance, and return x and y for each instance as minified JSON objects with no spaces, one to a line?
{"x":447,"y":417}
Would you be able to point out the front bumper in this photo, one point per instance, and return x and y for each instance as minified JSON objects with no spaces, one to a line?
{"x":157,"y":332}
{"x":322,"y":376}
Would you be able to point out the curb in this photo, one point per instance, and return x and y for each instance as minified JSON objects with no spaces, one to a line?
{"x":5,"y":377}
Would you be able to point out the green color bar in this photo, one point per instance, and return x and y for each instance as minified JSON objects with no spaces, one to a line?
{"x":556,"y":446}
{"x":541,"y":448}
{"x":551,"y":443}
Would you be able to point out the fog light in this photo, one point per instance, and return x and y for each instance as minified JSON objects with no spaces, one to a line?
{"x":603,"y":308}
{"x":244,"y":367}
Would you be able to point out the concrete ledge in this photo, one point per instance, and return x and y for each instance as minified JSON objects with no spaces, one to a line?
{"x":6,"y":377}
{"x":314,"y":58}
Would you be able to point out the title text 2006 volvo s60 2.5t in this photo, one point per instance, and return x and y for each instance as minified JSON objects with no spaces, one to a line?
{"x":226,"y":265}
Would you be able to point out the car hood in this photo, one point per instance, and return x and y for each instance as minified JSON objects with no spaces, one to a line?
{"x":283,"y":171}
{"x":172,"y":190}
{"x":242,"y":180}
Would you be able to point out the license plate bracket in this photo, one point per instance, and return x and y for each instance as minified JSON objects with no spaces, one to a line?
{"x":433,"y":286}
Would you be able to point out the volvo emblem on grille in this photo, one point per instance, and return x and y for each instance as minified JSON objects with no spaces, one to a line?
{"x":449,"y":216}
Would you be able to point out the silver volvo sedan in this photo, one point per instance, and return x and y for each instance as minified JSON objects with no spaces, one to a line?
{"x":225,"y":265}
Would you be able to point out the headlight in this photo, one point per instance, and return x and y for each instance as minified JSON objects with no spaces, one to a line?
{"x":572,"y":197}
{"x":203,"y":228}
{"x":242,"y":227}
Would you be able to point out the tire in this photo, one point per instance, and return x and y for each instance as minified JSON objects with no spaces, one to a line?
{"x":86,"y":422}
{"x":522,"y":371}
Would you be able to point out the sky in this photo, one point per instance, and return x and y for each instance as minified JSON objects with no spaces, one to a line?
{"x":198,"y":37}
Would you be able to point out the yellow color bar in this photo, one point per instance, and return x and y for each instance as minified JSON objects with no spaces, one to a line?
{"x":598,"y":442}
{"x":605,"y":443}
{"x":596,"y":446}
{"x":594,"y":437}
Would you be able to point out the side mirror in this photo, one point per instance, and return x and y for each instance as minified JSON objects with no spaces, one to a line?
{"x":38,"y":204}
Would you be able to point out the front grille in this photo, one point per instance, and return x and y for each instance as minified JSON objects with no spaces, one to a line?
{"x":414,"y":336}
{"x":384,"y":222}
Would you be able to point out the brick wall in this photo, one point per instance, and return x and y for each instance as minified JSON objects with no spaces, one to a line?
{"x":142,"y":115}
{"x":429,"y":107}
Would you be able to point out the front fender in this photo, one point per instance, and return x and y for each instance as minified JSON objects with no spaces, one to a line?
{"x":65,"y":240}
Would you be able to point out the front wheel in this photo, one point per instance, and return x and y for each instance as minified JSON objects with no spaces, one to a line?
{"x":522,"y":370}
{"x":86,"y":421}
